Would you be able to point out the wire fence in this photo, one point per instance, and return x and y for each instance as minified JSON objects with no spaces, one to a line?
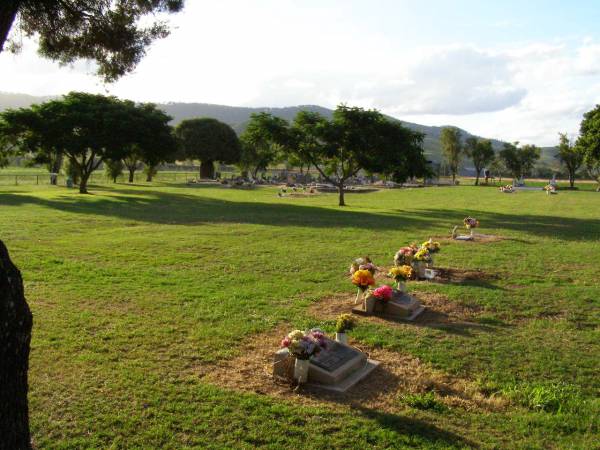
{"x":95,"y":178}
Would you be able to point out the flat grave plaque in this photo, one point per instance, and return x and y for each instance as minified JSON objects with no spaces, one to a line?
{"x":334,"y":357}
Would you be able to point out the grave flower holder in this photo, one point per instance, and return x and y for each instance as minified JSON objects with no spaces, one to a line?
{"x":301,"y":370}
{"x":342,"y":338}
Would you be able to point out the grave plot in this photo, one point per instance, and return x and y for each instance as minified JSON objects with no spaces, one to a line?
{"x":396,"y":375}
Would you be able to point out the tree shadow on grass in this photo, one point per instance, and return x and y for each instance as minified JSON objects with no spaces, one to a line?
{"x":156,"y":206}
{"x":562,"y":227}
{"x":182,"y":209}
{"x":414,"y":427}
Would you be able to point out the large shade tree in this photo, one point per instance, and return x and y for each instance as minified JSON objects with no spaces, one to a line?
{"x":481,"y":153}
{"x":452,"y":149}
{"x":259,"y":149}
{"x":153,"y":143}
{"x":208,"y":140}
{"x":570,"y":156}
{"x":519,"y":161}
{"x":354,"y":139}
{"x":110,"y":32}
{"x":87,"y":129}
{"x":589,"y":141}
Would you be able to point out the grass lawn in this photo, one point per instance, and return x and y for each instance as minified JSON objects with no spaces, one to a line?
{"x":135,"y":290}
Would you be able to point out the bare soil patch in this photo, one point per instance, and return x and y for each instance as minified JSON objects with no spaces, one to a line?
{"x":451,"y":275}
{"x":479,"y":238}
{"x":440,"y":312}
{"x":397,"y":375}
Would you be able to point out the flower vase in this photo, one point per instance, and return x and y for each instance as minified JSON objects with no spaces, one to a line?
{"x":419,"y":267}
{"x":401,"y":286}
{"x":301,"y":370}
{"x":341,"y":338}
{"x":370,"y":304}
{"x":358,"y":292}
{"x":471,"y":230}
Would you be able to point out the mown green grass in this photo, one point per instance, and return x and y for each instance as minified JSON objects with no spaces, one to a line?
{"x":134,"y":287}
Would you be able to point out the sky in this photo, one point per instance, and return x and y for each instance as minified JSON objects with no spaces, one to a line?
{"x":512,"y":70}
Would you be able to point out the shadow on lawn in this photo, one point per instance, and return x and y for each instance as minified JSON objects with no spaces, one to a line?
{"x":155,"y":206}
{"x":415,"y":427}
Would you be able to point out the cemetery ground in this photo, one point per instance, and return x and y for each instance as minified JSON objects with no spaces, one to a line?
{"x":149,"y":301}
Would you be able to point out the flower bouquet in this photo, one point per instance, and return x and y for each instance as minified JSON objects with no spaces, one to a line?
{"x":383,"y":294}
{"x":470,"y":223}
{"x":344,"y":322}
{"x":302,"y":345}
{"x":401,"y":274}
{"x":432,"y":247}
{"x":404,"y":256}
{"x":508,"y":189}
{"x":362,"y":279}
{"x":363,"y":264}
{"x":550,"y":189}
{"x":420,"y":260}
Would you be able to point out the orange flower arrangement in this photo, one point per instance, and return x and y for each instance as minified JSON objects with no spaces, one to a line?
{"x":363,"y":279}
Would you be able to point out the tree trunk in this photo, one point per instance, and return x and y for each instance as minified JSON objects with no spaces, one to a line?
{"x":55,"y":168}
{"x":341,"y":191}
{"x":8,"y":13}
{"x":16,"y":322}
{"x":453,"y":177}
{"x":149,"y":177}
{"x":477,"y":179}
{"x":83,"y":183}
{"x":572,"y":180}
{"x":131,"y":174}
{"x":207,"y":169}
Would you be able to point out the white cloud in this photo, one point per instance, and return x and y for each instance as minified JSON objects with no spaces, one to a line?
{"x":283,"y":52}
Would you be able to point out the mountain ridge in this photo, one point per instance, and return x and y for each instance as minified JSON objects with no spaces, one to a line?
{"x":238,"y":116}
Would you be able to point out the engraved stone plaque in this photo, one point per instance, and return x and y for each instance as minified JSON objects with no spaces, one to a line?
{"x":334,"y":357}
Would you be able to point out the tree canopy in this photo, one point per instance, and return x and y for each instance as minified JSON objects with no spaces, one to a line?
{"x":259,"y":148}
{"x":109,"y":32}
{"x":519,"y":161}
{"x":88,"y":129}
{"x":154,"y":141}
{"x":352,"y":140}
{"x":208,"y":140}
{"x":589,"y":141}
{"x":481,"y":153}
{"x":452,"y":150}
{"x":571,"y":156}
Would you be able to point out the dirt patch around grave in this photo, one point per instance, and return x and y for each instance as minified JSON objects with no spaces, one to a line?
{"x":451,"y":275}
{"x":397,"y":375}
{"x":440,"y":311}
{"x":478,"y":239}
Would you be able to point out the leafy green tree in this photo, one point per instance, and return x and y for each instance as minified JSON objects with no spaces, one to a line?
{"x":452,"y":149}
{"x":154,"y":142}
{"x":354,"y":139}
{"x":112,"y":33}
{"x":113,"y":169}
{"x":481,"y":153}
{"x":259,"y":146}
{"x":589,"y":141}
{"x":87,"y":129}
{"x":570,"y":155}
{"x":209,"y":141}
{"x":519,"y":161}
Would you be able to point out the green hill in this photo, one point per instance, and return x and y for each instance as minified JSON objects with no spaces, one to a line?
{"x":238,"y":116}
